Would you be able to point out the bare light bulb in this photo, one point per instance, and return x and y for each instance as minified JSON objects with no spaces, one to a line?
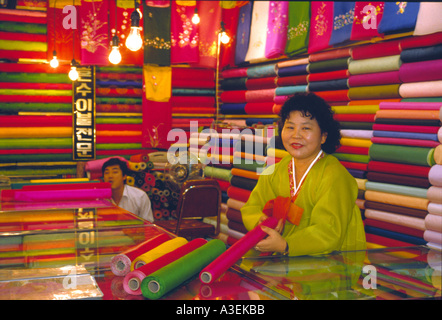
{"x":196,"y":18}
{"x":134,"y":41}
{"x":73,"y":73}
{"x":54,"y":62}
{"x":115,"y":55}
{"x":224,"y":37}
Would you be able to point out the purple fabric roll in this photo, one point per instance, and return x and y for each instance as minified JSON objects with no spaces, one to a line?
{"x":370,"y":79}
{"x":421,"y":71}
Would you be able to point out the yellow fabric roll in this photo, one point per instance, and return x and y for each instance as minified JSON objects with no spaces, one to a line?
{"x":356,"y":109}
{"x":36,"y":132}
{"x":438,"y":154}
{"x":397,"y":199}
{"x":277,"y":153}
{"x":361,"y":183}
{"x":356,"y":142}
{"x":157,"y":252}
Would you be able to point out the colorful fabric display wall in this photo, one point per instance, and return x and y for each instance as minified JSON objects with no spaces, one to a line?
{"x":361,"y":81}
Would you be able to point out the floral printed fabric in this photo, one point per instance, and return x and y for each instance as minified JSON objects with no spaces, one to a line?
{"x":298,"y":28}
{"x":343,"y":13}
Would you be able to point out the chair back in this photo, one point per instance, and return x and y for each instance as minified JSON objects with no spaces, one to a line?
{"x":199,"y":199}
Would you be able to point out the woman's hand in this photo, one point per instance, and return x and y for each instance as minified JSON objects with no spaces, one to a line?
{"x":274,"y":242}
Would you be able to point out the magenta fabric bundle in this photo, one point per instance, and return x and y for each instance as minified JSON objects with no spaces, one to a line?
{"x":370,"y":79}
{"x":421,"y":71}
{"x":277,"y":29}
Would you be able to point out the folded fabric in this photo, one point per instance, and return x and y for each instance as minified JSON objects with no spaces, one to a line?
{"x":371,"y":79}
{"x":421,"y":53}
{"x":399,"y":168}
{"x":399,"y":17}
{"x":343,"y":18}
{"x":419,"y":71}
{"x":402,"y":210}
{"x":428,"y":20}
{"x":321,"y":25}
{"x":367,"y":17}
{"x":298,"y":27}
{"x":374,"y":65}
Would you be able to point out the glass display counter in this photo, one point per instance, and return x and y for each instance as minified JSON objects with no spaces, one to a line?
{"x":50,"y":248}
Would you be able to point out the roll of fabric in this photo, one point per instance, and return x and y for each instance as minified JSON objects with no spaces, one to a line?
{"x":171,"y":276}
{"x":406,"y":135}
{"x":395,"y":235}
{"x":388,"y":91}
{"x":402,"y":154}
{"x":158,"y":251}
{"x":421,"y":53}
{"x":264,"y":95}
{"x":260,"y":83}
{"x":399,"y":168}
{"x":375,"y":65}
{"x":433,"y":236}
{"x":355,"y":109}
{"x":418,"y":71}
{"x":218,"y":173}
{"x":235,"y":204}
{"x":120,"y":264}
{"x":290,"y":90}
{"x":433,"y":222}
{"x":405,"y":142}
{"x":396,"y":209}
{"x":244,"y":173}
{"x":405,"y":128}
{"x":393,"y":227}
{"x":410,"y":105}
{"x":438,"y":154}
{"x":329,"y":65}
{"x":434,"y":194}
{"x":291,"y":80}
{"x":334,"y":95}
{"x":427,"y":21}
{"x":421,"y":89}
{"x":36,"y":132}
{"x":224,"y":261}
{"x":435,"y":208}
{"x":339,"y":84}
{"x":233,"y":108}
{"x":36,"y":121}
{"x":372,"y":79}
{"x":353,"y":150}
{"x":328,"y":75}
{"x":54,"y":195}
{"x":398,"y":179}
{"x":408,"y":114}
{"x":132,"y":280}
{"x":410,"y":222}
{"x":244,"y":183}
{"x":238,"y":193}
{"x":398,"y":200}
{"x":397,"y":189}
{"x":293,"y":70}
{"x":353,"y":142}
{"x":261,"y":71}
{"x":234,"y":83}
{"x":435,"y":175}
{"x":234,"y":96}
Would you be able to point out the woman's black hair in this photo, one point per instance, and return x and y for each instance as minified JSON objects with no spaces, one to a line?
{"x":116,"y":161}
{"x":313,"y":106}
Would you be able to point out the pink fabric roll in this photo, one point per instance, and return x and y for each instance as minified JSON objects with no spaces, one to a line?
{"x":435,"y":208}
{"x":370,"y":79}
{"x":421,"y":89}
{"x":398,"y":219}
{"x":421,"y":71}
{"x":433,"y":222}
{"x":217,"y":267}
{"x":410,"y":105}
{"x":266,"y":95}
{"x":435,"y":175}
{"x":54,"y":195}
{"x":433,"y":236}
{"x":439,"y":135}
{"x":405,"y":142}
{"x":280,"y":99}
{"x":277,"y":29}
{"x":434,"y":194}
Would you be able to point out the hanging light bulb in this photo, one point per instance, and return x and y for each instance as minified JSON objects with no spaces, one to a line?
{"x":223,"y":34}
{"x":54,"y":62}
{"x":196,"y":17}
{"x":73,"y":73}
{"x":134,"y":42}
{"x":115,"y":55}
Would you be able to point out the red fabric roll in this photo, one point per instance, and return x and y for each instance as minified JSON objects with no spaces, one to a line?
{"x":197,"y":110}
{"x":394,"y":227}
{"x":68,"y":186}
{"x":128,"y":152}
{"x":32,"y":68}
{"x":353,"y":150}
{"x":259,"y":107}
{"x":234,"y":96}
{"x":330,"y":75}
{"x":234,"y":73}
{"x":405,"y":128}
{"x":117,"y":92}
{"x":330,"y":55}
{"x":119,"y":76}
{"x":261,"y":83}
{"x":387,"y":242}
{"x":238,"y":193}
{"x":18,"y":36}
{"x":421,"y":41}
{"x":380,"y":49}
{"x":336,"y":95}
{"x":354,"y":165}
{"x":118,"y":127}
{"x":193,"y":73}
{"x":189,"y":101}
{"x":355,"y":117}
{"x":35,"y":99}
{"x":399,"y":168}
{"x":118,"y":108}
{"x":119,"y":139}
{"x":36,"y":151}
{"x":36,"y":121}
{"x":406,"y":142}
{"x":234,"y":215}
{"x":15,"y":54}
{"x":186,"y":83}
{"x":44,"y":86}
{"x":22,"y":17}
{"x":292,"y":80}
{"x":224,"y":185}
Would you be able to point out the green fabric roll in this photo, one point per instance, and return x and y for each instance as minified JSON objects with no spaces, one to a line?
{"x":248,"y":164}
{"x":119,"y":69}
{"x":34,"y":28}
{"x":352,"y":157}
{"x":174,"y":274}
{"x":396,"y":189}
{"x":12,"y":158}
{"x":388,"y":91}
{"x":37,"y":171}
{"x":118,"y":146}
{"x":33,"y":92}
{"x":328,"y":65}
{"x":24,"y":45}
{"x":218,"y":173}
{"x":35,"y":77}
{"x":36,"y":143}
{"x":114,"y":120}
{"x":118,"y":100}
{"x":425,"y":99}
{"x":374,"y":65}
{"x":35,"y":107}
{"x":402,"y":154}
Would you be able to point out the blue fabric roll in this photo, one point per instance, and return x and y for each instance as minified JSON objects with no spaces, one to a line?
{"x":286,"y":91}
{"x":243,"y":32}
{"x":421,"y":54}
{"x":399,"y":17}
{"x":406,"y":135}
{"x":233,"y":108}
{"x":293,"y":70}
{"x":262,"y":71}
{"x":339,"y":84}
{"x":395,"y":235}
{"x":357,"y":173}
{"x":343,"y":14}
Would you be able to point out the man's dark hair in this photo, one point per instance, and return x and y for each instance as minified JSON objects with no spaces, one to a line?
{"x":310,"y":105}
{"x":116,"y":161}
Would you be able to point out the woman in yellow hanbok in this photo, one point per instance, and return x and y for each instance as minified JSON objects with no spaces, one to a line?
{"x":323,"y":215}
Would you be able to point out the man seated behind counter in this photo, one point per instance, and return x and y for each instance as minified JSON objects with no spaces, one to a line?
{"x":127,"y":197}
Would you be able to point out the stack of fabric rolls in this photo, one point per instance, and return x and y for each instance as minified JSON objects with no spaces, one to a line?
{"x":118,"y":111}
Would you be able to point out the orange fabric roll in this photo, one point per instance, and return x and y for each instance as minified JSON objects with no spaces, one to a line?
{"x":409,"y":114}
{"x":244,"y":173}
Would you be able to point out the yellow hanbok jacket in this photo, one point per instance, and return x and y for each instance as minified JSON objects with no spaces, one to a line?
{"x":331,"y":220}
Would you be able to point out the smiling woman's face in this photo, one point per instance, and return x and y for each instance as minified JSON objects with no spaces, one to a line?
{"x":302,"y":136}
